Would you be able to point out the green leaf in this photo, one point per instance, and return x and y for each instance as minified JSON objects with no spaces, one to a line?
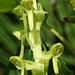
{"x":68,"y":0}
{"x":72,"y":2}
{"x":70,"y":33}
{"x":61,"y":8}
{"x":8,"y":5}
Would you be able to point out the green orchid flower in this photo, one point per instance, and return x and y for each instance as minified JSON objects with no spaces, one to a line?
{"x":28,"y":7}
{"x":27,"y":64}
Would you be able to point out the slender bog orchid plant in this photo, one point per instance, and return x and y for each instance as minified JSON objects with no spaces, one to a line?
{"x":33,"y":15}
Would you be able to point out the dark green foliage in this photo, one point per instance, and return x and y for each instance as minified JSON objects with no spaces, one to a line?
{"x":28,"y":55}
{"x":68,"y":0}
{"x":8,"y":5}
{"x":72,"y":2}
{"x":14,"y":72}
{"x":8,"y":43}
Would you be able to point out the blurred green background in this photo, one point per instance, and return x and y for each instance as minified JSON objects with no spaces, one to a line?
{"x":57,"y":10}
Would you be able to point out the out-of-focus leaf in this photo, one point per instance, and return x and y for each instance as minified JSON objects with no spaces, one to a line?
{"x":70,"y":60}
{"x":6,"y":36}
{"x":8,"y":43}
{"x":4,"y":57}
{"x":4,"y":41}
{"x":4,"y":60}
{"x":63,"y":8}
{"x":8,"y":5}
{"x":4,"y":53}
{"x":6,"y":23}
{"x":70,"y":33}
{"x":68,"y":0}
{"x":72,"y":2}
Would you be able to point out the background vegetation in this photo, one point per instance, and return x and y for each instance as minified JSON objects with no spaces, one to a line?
{"x":57,"y":10}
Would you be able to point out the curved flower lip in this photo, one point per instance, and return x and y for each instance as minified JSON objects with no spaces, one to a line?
{"x":57,"y":49}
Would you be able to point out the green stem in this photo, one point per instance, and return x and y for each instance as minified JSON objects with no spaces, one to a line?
{"x":24,"y":71}
{"x":44,"y":47}
{"x":25,"y":29}
{"x":61,"y":38}
{"x":24,"y":21}
{"x":22,"y":48}
{"x":38,"y":72}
